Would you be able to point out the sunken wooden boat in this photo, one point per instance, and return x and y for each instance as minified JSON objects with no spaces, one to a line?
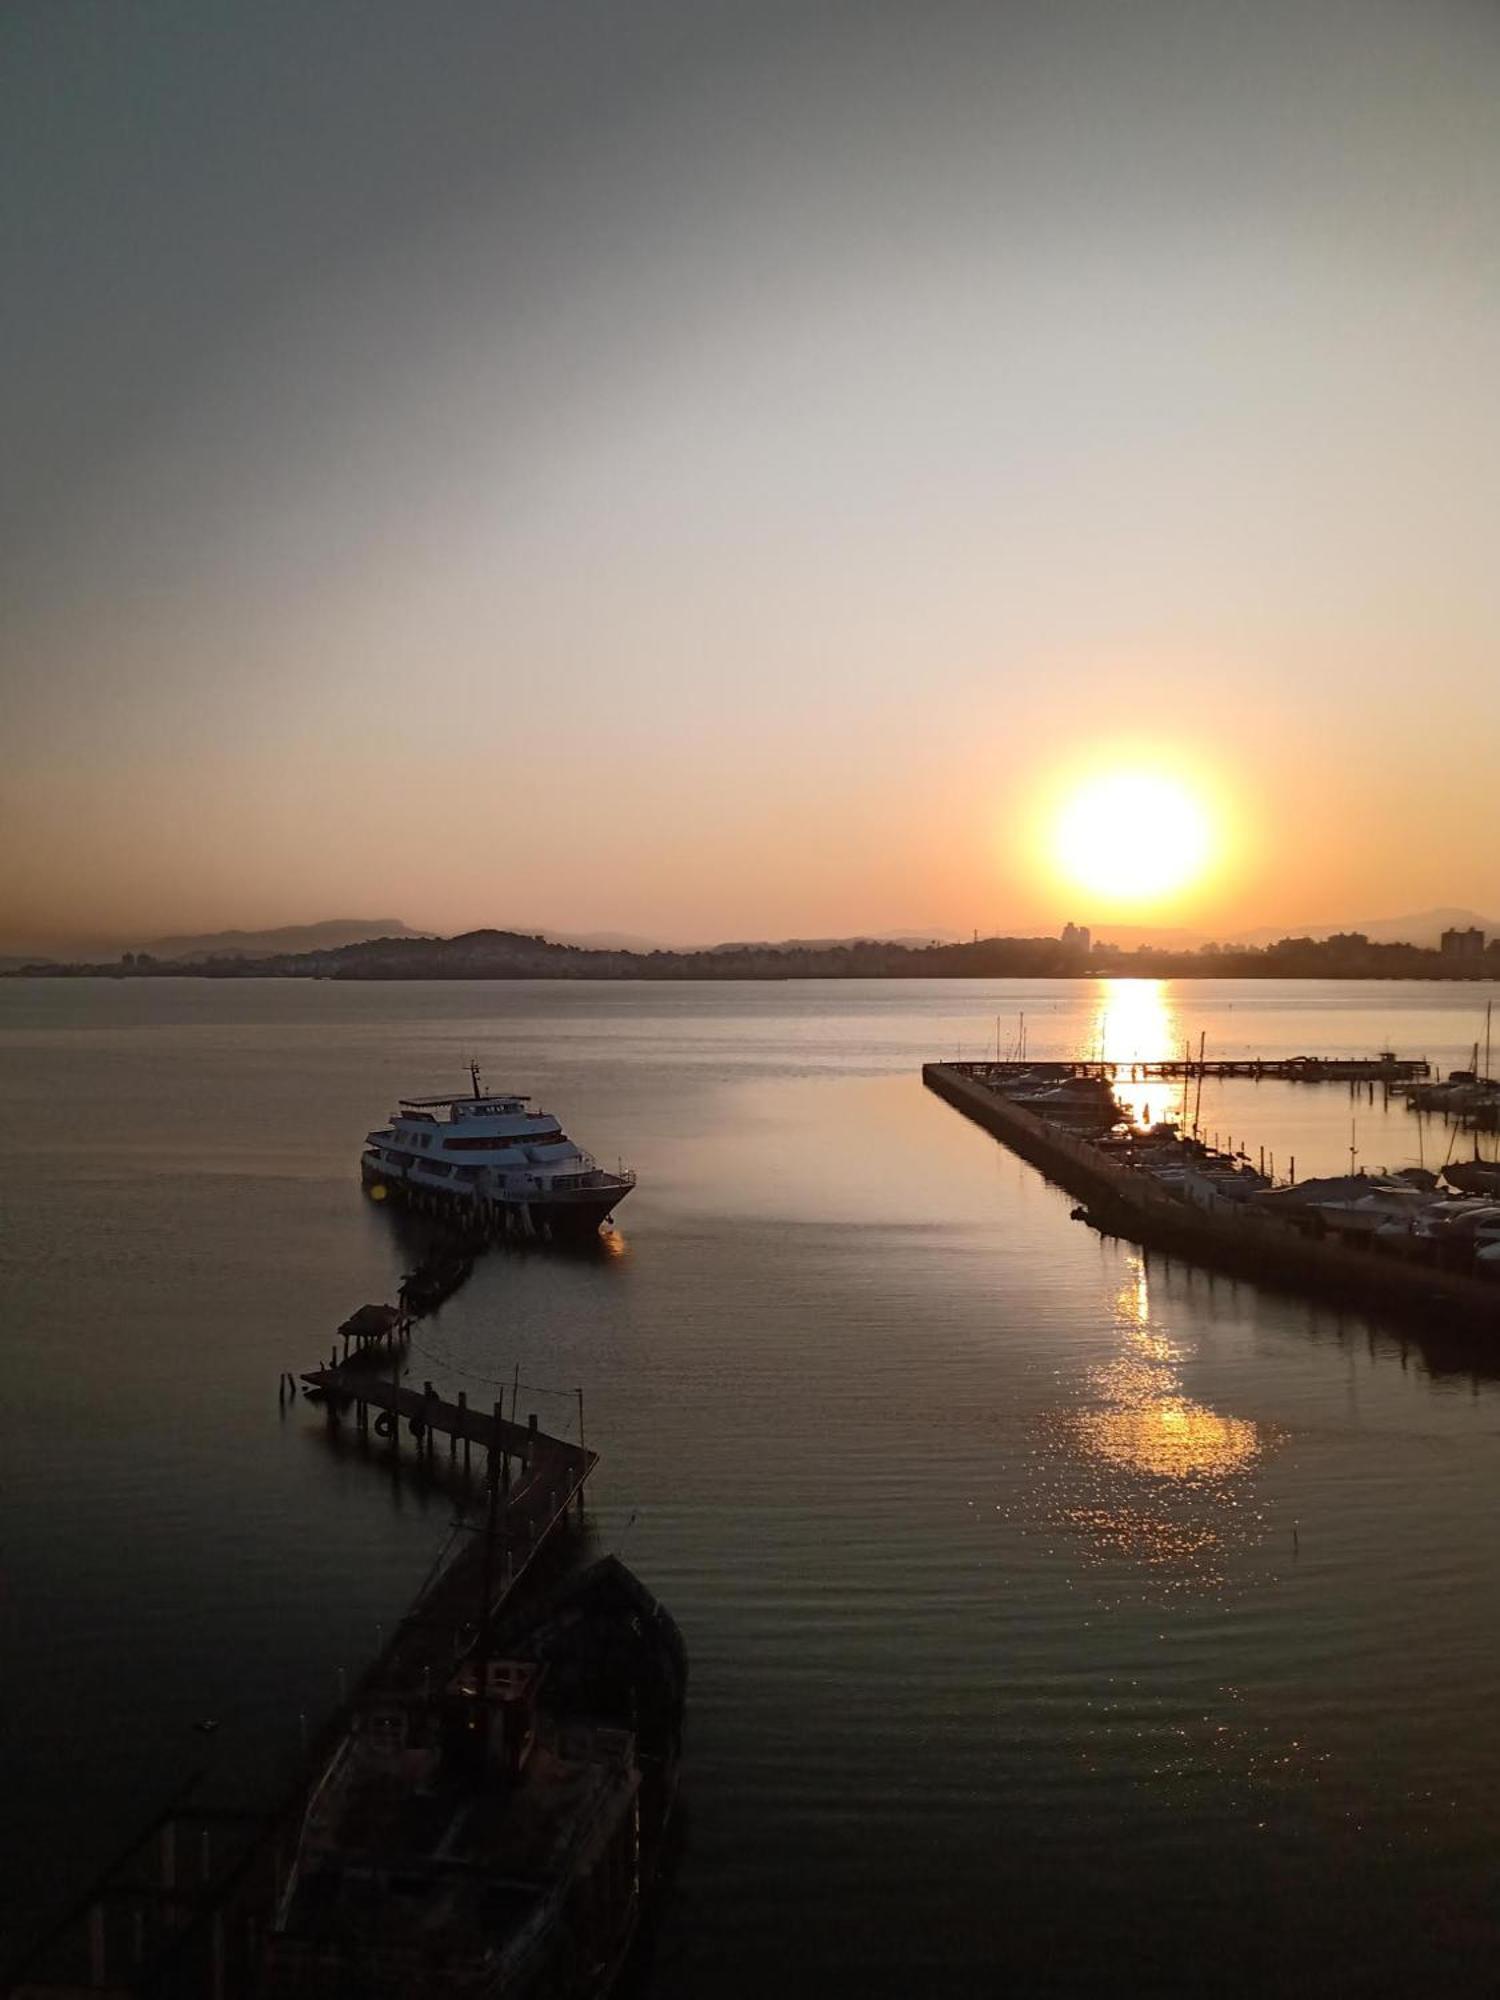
{"x":425,"y":1289}
{"x":499,"y":1837}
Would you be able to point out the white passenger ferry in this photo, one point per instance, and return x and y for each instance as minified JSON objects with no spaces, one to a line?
{"x":491,"y":1153}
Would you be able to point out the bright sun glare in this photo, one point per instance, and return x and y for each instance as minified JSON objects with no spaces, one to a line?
{"x":1132,"y":837}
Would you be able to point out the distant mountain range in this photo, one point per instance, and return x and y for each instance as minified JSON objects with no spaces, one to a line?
{"x":1421,"y":928}
{"x":495,"y":954}
{"x":328,"y":936}
{"x":914,"y":940}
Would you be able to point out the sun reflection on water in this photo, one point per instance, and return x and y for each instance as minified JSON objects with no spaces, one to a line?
{"x":1135,"y":1021}
{"x":1152,"y":1474}
{"x":1146,"y":1422}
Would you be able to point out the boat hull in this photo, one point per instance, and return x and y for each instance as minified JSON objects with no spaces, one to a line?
{"x":561,"y":1213}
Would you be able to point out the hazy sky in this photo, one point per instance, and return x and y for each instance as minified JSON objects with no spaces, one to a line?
{"x":714,"y":469}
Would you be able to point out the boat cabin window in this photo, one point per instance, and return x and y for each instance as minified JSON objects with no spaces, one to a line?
{"x":502,"y":1142}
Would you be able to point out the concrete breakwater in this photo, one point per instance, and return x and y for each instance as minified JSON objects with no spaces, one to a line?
{"x":1389,"y":1276}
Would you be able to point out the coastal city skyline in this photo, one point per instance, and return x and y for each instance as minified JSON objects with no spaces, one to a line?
{"x":1459,"y":935}
{"x":739,"y":472}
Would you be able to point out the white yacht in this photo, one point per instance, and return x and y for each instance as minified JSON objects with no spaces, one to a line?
{"x":489,"y":1152}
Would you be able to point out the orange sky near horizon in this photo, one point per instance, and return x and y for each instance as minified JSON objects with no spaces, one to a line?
{"x":730,"y":473}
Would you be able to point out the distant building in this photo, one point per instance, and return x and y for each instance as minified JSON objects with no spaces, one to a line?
{"x":1462,"y":944}
{"x":1075,"y":938}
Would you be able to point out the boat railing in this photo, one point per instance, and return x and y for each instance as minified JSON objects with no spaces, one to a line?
{"x":528,"y":1185}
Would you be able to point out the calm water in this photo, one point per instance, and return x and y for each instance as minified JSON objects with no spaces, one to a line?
{"x":1055,"y":1624}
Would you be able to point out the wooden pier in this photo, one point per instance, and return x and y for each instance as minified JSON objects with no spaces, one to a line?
{"x":348,"y":1389}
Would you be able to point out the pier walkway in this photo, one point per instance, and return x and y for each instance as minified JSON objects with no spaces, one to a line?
{"x":349,"y":1387}
{"x":1384,"y":1068}
{"x":1389,"y":1277}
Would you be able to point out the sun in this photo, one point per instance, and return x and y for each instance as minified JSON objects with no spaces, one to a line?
{"x":1133,"y":836}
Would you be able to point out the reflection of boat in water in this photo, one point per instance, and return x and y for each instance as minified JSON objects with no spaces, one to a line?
{"x":489,"y":1157}
{"x":497,"y":1836}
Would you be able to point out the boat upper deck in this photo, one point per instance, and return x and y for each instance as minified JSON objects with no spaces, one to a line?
{"x":490,"y":1105}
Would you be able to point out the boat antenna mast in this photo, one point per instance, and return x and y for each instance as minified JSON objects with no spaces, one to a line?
{"x":474,"y":1075}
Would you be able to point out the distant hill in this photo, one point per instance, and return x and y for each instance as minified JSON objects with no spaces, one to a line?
{"x":329,"y":936}
{"x":627,"y":941}
{"x":400,"y":953}
{"x":494,"y":954}
{"x":913,"y":940}
{"x":601,"y":940}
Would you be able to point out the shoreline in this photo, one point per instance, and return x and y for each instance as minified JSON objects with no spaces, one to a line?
{"x":746,"y":976}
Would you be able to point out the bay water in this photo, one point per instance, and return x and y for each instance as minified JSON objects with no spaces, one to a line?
{"x":1057,"y":1624}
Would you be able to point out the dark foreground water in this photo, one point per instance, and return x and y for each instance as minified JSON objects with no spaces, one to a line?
{"x":1056,"y":1624}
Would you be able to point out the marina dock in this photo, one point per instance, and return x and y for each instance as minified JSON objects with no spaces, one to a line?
{"x":1384,"y":1068}
{"x":1383,"y":1276}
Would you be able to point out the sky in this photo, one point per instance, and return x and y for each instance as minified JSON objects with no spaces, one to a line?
{"x":717,"y":470}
